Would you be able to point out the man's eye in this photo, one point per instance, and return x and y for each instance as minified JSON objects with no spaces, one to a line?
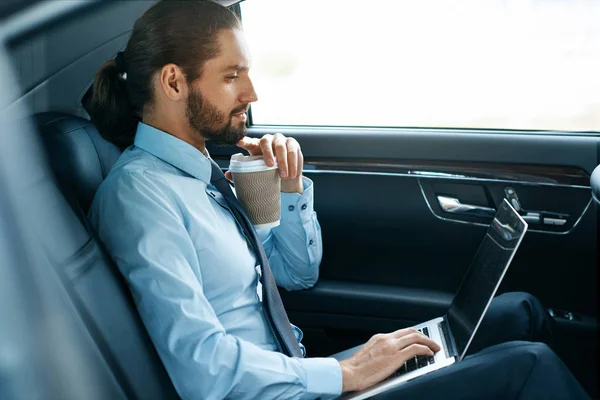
{"x":232,"y":78}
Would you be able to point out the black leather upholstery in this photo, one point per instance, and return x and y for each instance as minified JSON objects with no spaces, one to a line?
{"x":80,"y":159}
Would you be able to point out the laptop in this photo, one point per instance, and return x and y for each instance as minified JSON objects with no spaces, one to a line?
{"x":455,"y":330}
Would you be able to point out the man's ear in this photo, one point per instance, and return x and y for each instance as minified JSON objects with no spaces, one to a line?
{"x":172,"y":82}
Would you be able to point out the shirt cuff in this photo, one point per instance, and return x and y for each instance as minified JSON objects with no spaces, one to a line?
{"x":296,"y":207}
{"x":323,"y":376}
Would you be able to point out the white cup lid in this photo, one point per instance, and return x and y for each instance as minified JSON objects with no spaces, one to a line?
{"x":241,"y":163}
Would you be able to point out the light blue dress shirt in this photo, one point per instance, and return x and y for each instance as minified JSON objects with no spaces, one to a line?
{"x":194,"y":278}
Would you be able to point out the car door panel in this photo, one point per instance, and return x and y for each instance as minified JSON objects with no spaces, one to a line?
{"x":375,"y":196}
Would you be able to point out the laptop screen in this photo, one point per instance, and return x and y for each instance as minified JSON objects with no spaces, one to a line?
{"x":484,"y":275}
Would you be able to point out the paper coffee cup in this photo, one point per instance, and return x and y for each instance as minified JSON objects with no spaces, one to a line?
{"x":258,"y":188}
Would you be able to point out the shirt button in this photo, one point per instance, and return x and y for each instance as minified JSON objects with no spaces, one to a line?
{"x":310,"y":242}
{"x":291,"y":208}
{"x":303,"y":206}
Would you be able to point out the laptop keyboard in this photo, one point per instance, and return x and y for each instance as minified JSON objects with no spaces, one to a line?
{"x":418,"y":361}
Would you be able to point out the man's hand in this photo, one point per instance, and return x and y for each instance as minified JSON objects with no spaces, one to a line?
{"x":382,"y":355}
{"x":286,"y":151}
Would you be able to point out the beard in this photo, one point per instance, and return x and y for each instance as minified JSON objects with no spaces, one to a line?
{"x":211,"y":124}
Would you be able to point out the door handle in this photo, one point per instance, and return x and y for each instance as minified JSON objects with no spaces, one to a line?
{"x":535,"y":217}
{"x":454,"y":206}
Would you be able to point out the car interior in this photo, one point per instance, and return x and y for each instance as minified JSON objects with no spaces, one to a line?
{"x":402,"y":213}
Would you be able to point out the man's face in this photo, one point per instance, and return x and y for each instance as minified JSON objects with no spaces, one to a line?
{"x":219,"y":99}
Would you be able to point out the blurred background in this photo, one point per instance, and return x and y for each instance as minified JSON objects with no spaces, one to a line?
{"x":504,"y":64}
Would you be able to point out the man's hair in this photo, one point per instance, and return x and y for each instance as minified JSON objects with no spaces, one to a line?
{"x":179,"y":32}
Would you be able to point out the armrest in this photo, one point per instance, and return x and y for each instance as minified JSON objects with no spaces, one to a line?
{"x":369,"y":300}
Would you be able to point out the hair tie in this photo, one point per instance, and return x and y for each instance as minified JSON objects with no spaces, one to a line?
{"x":120,"y":63}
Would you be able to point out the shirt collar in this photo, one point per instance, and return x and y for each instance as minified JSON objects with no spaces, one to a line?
{"x":174,"y":151}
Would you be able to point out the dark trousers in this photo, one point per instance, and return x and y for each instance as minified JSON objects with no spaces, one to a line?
{"x":509,"y":358}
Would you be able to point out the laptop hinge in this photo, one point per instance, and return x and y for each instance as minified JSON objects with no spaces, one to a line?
{"x":447,"y":338}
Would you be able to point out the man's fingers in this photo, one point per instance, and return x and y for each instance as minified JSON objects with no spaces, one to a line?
{"x":293,"y":150}
{"x":416,"y":350}
{"x":412,"y":331}
{"x":403,"y":332}
{"x":266,"y":145}
{"x":280,"y":148}
{"x":250,"y":144}
{"x":228,"y":176}
{"x":417,"y":338}
{"x":300,"y":161}
{"x":277,"y":148}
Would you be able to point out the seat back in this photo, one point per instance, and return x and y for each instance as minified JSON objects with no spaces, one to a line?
{"x":80,"y":159}
{"x":79,"y":156}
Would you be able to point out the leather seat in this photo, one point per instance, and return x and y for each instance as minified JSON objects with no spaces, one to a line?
{"x":79,"y":156}
{"x":81,"y":159}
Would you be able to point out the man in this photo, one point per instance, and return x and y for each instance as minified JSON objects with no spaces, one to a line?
{"x":194,"y":265}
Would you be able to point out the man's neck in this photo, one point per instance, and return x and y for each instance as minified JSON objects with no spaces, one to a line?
{"x":180,"y":131}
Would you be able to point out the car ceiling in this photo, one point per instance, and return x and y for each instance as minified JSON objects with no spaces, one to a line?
{"x":55,"y":64}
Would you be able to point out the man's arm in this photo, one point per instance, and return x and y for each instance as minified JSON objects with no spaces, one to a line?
{"x":143,"y":230}
{"x":295,"y":247}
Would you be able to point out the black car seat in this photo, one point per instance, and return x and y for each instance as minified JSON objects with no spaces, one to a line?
{"x":81,"y":159}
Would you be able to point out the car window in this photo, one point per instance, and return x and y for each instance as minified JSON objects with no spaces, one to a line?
{"x":500,"y":64}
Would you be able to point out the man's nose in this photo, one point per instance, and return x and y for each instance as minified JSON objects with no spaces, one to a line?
{"x":248,"y":94}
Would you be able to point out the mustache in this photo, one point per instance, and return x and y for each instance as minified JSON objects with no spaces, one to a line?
{"x":243,"y":108}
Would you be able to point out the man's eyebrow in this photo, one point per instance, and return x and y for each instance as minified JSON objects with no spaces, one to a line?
{"x":237,"y":67}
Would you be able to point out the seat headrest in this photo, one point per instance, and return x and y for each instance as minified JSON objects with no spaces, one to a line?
{"x":79,"y":156}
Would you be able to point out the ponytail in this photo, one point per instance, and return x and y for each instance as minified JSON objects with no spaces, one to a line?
{"x":110,"y":109}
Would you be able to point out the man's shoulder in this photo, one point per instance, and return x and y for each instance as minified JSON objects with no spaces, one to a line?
{"x":136,"y":173}
{"x":136,"y":166}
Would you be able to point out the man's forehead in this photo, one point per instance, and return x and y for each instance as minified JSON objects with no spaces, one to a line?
{"x":233,"y":55}
{"x":236,"y":68}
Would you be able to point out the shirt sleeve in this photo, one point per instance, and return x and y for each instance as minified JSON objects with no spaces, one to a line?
{"x":295,"y":247}
{"x":143,"y":230}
